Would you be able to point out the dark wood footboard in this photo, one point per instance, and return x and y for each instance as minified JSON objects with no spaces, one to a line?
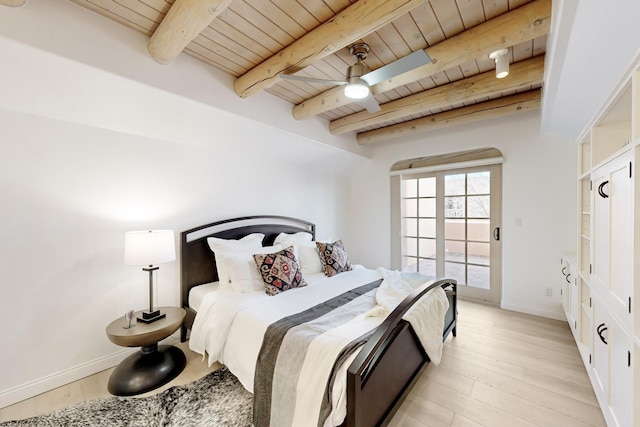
{"x":389,"y":364}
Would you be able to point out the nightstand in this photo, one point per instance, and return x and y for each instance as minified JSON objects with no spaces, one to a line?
{"x":153,"y":366}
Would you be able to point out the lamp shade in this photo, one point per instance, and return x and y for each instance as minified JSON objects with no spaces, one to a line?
{"x":149,"y":247}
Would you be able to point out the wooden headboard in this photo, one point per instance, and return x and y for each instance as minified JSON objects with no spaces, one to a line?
{"x":197,"y":262}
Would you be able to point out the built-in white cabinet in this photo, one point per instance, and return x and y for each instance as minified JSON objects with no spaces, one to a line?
{"x":577,"y":304}
{"x":600,"y":304}
{"x":612,"y":258}
{"x":612,"y":373}
{"x":569,"y":290}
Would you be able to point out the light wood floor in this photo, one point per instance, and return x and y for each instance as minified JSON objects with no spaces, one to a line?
{"x":503,"y":369}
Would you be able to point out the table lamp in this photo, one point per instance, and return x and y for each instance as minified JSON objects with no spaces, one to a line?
{"x":149,"y":248}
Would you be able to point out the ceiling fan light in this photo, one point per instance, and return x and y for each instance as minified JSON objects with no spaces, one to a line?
{"x":356,"y":88}
{"x":502,"y":62}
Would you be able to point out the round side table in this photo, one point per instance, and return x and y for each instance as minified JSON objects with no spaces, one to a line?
{"x":153,"y":366}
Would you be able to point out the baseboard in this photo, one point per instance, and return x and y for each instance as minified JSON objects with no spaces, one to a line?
{"x":41,"y":385}
{"x":536,"y":311}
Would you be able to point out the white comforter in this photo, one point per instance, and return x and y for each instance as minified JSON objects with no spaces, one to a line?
{"x":230,"y":327}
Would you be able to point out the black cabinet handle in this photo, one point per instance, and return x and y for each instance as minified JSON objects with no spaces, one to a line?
{"x":567,"y":278}
{"x":601,"y":330}
{"x":601,"y":190}
{"x":496,"y":233}
{"x":564,"y":270}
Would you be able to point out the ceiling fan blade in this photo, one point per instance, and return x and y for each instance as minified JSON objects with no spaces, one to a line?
{"x":370,"y":104}
{"x":311,"y":79}
{"x":397,"y":67}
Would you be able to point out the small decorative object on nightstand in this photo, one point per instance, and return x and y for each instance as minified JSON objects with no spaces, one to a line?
{"x":153,"y":366}
{"x":129,"y":315}
{"x":149,"y":248}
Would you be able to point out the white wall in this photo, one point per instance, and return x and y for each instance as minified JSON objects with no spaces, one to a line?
{"x":88,"y":154}
{"x":538,"y":187}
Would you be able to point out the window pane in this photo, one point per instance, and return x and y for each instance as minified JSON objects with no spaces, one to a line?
{"x":427,"y":248}
{"x":410,"y":227}
{"x":427,"y":266}
{"x":428,"y":187}
{"x":427,"y":208}
{"x":478,"y":183}
{"x":409,"y":264}
{"x":479,"y":230}
{"x":454,"y":229}
{"x":410,"y":207}
{"x":409,"y":246}
{"x":455,"y":271}
{"x":454,"y":207}
{"x":478,"y":206}
{"x":454,"y":185}
{"x":409,"y":188}
{"x":478,"y":253}
{"x":427,"y":228}
{"x":479,"y":277}
{"x":454,"y":251}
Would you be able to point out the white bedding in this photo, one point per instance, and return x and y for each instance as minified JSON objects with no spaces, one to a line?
{"x":197,"y":294}
{"x":230,"y":326}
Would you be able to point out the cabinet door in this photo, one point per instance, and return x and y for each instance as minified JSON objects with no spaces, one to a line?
{"x":621,"y":376}
{"x":600,"y":350}
{"x":565,"y":286}
{"x":613,"y":375}
{"x":574,"y":303}
{"x":612,"y":253}
{"x":621,"y":234}
{"x":600,"y":243}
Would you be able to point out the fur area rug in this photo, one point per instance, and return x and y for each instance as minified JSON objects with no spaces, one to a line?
{"x":215,"y":400}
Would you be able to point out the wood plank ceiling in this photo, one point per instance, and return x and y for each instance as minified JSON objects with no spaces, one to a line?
{"x":255,"y":40}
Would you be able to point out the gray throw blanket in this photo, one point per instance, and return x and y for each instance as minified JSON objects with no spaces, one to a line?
{"x":285,"y":347}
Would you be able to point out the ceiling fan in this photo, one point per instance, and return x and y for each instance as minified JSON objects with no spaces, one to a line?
{"x":360,"y":77}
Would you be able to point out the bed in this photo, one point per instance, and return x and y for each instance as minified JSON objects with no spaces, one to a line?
{"x":381,"y":373}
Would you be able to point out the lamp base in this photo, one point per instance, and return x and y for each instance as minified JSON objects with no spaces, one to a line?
{"x":151,"y":316}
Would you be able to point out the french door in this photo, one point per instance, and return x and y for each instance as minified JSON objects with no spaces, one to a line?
{"x":450,"y":227}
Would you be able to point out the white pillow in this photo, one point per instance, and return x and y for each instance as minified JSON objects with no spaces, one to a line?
{"x":243,"y":271}
{"x":305,"y":249}
{"x":309,"y":258}
{"x":222,"y":246}
{"x":287,"y":240}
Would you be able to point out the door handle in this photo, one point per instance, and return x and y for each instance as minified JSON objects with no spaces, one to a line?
{"x":601,"y":190}
{"x":602,"y":328}
{"x":496,"y":233}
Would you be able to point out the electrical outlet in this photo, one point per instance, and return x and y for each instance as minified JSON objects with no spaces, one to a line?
{"x":548,"y":291}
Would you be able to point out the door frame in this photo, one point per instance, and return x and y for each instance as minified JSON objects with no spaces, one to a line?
{"x":494,"y":294}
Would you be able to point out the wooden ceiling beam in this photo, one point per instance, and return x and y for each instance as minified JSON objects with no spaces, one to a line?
{"x":500,"y":107}
{"x":347,"y":27}
{"x":521,"y":75}
{"x":524,"y":23}
{"x":12,"y":3}
{"x":184,"y":21}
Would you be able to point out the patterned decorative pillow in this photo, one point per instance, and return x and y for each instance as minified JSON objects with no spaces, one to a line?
{"x":334,"y":258}
{"x":279,"y":271}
